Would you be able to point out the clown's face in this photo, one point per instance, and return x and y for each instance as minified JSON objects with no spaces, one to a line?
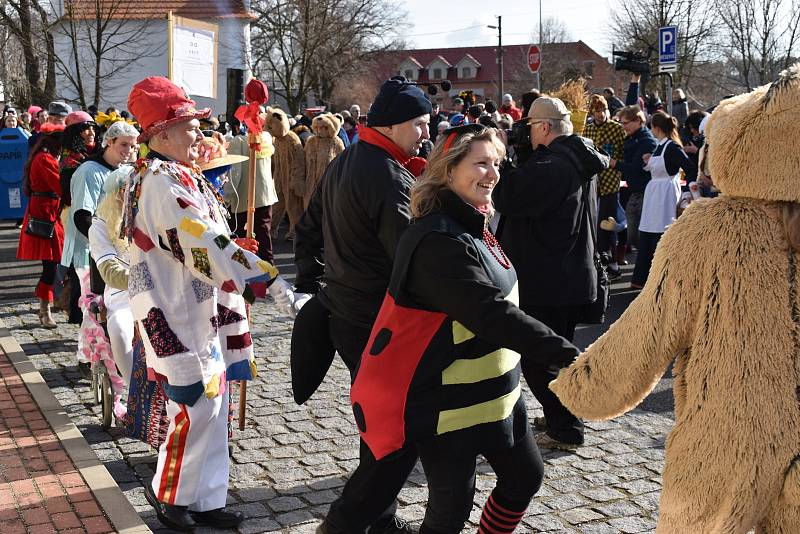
{"x":181,"y":142}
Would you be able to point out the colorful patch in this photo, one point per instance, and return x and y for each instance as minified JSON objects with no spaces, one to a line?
{"x":215,"y":323}
{"x":228,"y":286}
{"x":248,"y":295}
{"x":183,"y":203}
{"x":192,"y":227}
{"x":201,"y":261}
{"x":139,"y":279}
{"x":228,"y":316}
{"x":175,"y":244}
{"x":142,"y":241}
{"x":239,"y":342}
{"x":164,"y":341}
{"x":212,"y":388}
{"x":240,"y":257}
{"x":202,"y":291}
{"x":222,"y":241}
{"x":268,"y":268}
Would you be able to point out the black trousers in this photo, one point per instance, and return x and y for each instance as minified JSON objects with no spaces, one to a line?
{"x":644,"y":257}
{"x":608,"y":208}
{"x":75,"y":313}
{"x":561,"y":424}
{"x":262,"y":224}
{"x":369,"y":496}
{"x":451,"y":480}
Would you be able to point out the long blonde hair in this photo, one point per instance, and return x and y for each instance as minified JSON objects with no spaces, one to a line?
{"x":447,"y":154}
{"x":110,"y":207}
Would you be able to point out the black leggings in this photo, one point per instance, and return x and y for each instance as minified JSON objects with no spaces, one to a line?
{"x":48,"y":272}
{"x":451,"y":480}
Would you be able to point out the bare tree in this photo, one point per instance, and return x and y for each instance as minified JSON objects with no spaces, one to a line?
{"x":760,"y":37}
{"x":553,"y":30}
{"x":103,"y":36}
{"x":307,"y":45}
{"x":634,"y":26}
{"x":28,"y":22}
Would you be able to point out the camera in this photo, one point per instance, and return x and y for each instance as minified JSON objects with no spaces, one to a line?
{"x":520,"y":133}
{"x":632,"y":61}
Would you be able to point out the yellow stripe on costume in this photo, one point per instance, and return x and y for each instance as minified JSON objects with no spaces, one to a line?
{"x":195,"y":228}
{"x":461,"y":333}
{"x":485,"y":412}
{"x":267,"y":267}
{"x":492,"y":365}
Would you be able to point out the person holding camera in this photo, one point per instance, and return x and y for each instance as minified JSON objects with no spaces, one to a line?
{"x":638,"y":142}
{"x":545,"y":231}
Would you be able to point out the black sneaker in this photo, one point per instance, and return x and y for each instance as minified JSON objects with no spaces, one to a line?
{"x":219,"y":518}
{"x":171,"y":516}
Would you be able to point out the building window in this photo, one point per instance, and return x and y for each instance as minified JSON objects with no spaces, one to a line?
{"x":588,"y":68}
{"x":466,"y":72}
{"x":437,"y":74}
{"x":409,"y":74}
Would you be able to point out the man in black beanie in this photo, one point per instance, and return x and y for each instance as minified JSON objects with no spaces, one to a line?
{"x":357,"y":215}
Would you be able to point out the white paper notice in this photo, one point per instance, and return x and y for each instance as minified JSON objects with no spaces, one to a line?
{"x":193,"y":61}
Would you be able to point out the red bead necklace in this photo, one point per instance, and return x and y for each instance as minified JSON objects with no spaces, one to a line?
{"x":491,"y":244}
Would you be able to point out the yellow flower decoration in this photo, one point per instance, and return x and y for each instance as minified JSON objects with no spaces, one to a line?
{"x":105,"y":120}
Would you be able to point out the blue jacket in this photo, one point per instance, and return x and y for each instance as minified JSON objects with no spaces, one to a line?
{"x":632,"y":165}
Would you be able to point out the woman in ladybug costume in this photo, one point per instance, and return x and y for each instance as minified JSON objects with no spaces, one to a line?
{"x":441,"y":368}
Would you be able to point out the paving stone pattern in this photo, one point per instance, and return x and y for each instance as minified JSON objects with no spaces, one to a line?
{"x":292,"y":461}
{"x":40,"y":489}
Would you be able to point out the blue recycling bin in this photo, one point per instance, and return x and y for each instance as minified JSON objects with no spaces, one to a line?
{"x":13,"y":154}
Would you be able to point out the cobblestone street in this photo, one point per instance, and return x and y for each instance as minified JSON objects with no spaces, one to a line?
{"x":292,"y":461}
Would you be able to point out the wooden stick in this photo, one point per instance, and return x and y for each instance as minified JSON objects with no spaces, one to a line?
{"x":249,"y":232}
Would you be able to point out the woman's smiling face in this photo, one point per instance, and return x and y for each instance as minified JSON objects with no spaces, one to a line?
{"x":475,"y":176}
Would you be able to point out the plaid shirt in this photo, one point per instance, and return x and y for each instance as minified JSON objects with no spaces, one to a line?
{"x":609,"y":136}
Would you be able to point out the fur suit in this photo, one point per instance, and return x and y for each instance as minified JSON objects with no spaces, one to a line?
{"x":288,"y":170}
{"x":720,"y":303}
{"x":321,"y":149}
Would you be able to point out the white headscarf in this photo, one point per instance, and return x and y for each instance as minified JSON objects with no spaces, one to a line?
{"x":119,"y":129}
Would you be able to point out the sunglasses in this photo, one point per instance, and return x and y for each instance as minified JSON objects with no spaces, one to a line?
{"x":454,"y":133}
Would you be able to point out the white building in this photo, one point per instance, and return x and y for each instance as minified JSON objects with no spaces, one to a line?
{"x":139,"y":47}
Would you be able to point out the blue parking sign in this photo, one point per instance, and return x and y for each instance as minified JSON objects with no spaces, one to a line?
{"x":667,"y":45}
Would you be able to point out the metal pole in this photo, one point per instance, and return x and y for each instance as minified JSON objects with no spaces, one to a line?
{"x":541,"y":51}
{"x":668,"y":96}
{"x":500,"y":55}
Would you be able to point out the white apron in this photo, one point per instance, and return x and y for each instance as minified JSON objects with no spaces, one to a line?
{"x":661,"y":195}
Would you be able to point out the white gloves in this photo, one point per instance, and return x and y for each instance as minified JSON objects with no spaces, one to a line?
{"x":300,"y":299}
{"x":281,"y":291}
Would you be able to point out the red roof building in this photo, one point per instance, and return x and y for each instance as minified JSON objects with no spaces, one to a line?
{"x":475,"y":68}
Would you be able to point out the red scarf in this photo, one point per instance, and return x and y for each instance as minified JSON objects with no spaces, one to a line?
{"x":415,"y":165}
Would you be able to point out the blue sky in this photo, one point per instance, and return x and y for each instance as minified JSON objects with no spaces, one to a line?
{"x":435,"y":24}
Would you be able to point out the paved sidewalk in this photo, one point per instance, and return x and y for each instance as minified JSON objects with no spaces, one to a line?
{"x":291,"y":461}
{"x":42,"y":489}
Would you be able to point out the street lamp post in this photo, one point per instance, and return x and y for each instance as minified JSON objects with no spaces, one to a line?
{"x":499,"y":29}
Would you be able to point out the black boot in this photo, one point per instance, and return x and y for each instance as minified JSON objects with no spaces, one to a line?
{"x":219,"y":518}
{"x":170,"y":515}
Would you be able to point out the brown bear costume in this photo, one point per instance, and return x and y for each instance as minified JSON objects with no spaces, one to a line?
{"x":722,"y":303}
{"x":321,"y":149}
{"x":288,"y":171}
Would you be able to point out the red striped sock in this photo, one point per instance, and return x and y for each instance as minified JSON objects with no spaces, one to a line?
{"x":497,"y":519}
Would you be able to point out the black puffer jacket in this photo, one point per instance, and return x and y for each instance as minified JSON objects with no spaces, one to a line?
{"x":544,"y":228}
{"x":357,"y":213}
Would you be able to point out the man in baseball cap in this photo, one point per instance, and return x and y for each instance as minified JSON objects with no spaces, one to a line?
{"x":357,"y":215}
{"x":548,"y":206}
{"x":188,"y":284}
